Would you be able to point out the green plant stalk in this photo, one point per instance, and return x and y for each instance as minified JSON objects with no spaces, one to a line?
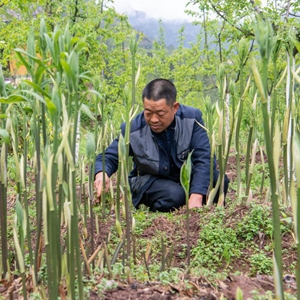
{"x":38,"y":191}
{"x":247,"y":164}
{"x":291,"y":173}
{"x":298,"y":244}
{"x":24,"y":286}
{"x":274,"y":97}
{"x":230,"y":135}
{"x":163,"y":252}
{"x":210,"y":117}
{"x":91,"y":197}
{"x":125,"y":156}
{"x":3,"y":186}
{"x":263,"y":172}
{"x":147,"y":267}
{"x":90,"y":185}
{"x":21,"y":235}
{"x":25,"y":146}
{"x":212,"y":158}
{"x":118,"y":192}
{"x":43,"y":47}
{"x":70,"y":241}
{"x":273,"y":183}
{"x":61,"y":195}
{"x":75,"y":239}
{"x":117,"y":251}
{"x":74,"y":216}
{"x":134,"y":248}
{"x":53,"y":248}
{"x":103,"y":195}
{"x":288,"y":149}
{"x":295,"y":203}
{"x":52,"y":255}
{"x":251,"y":169}
{"x":133,"y":54}
{"x":22,"y":245}
{"x":82,"y":193}
{"x":124,"y":153}
{"x":30,"y":68}
{"x":188,"y":233}
{"x":291,"y":148}
{"x":221,"y":158}
{"x":36,"y":133}
{"x":185,"y":178}
{"x":286,"y":172}
{"x":19,"y":245}
{"x":237,"y":133}
{"x":107,"y":261}
{"x":3,"y":213}
{"x":128,"y":214}
{"x":57,"y":220}
{"x":232,"y":121}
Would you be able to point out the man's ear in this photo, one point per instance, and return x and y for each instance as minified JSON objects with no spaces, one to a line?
{"x":176,"y":106}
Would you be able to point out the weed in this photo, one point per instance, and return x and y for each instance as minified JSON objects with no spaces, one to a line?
{"x":216,"y":243}
{"x":257,"y":221}
{"x":182,"y":253}
{"x":286,"y":221}
{"x":141,"y":273}
{"x":260,"y":264}
{"x":170,"y":276}
{"x":270,"y":295}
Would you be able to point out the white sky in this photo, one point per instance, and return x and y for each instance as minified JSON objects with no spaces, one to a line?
{"x":160,"y":9}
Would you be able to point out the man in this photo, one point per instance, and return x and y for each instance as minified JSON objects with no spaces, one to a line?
{"x":161,"y":137}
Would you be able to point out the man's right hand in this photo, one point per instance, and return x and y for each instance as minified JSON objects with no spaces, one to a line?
{"x":98,"y":183}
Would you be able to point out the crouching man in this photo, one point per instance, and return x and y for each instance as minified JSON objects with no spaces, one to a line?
{"x":161,"y":138}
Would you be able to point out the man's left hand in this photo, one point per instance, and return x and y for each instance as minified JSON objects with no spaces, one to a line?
{"x":195,"y":200}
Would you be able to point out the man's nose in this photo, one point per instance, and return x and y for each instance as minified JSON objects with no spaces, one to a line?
{"x":154,"y":118}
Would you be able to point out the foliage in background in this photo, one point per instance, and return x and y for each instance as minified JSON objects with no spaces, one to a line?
{"x":85,"y":73}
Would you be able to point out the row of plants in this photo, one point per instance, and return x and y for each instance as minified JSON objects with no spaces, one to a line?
{"x":40,"y":128}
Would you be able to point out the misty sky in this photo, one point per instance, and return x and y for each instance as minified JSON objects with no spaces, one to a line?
{"x":160,"y":9}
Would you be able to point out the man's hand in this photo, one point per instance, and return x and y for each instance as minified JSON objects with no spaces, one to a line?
{"x":98,"y":183}
{"x":195,"y":200}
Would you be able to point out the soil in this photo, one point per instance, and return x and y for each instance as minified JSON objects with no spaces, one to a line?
{"x":201,"y":287}
{"x":198,"y":287}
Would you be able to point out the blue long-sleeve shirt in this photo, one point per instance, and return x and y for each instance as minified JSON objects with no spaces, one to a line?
{"x":152,"y":161}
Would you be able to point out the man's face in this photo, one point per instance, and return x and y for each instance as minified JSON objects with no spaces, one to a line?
{"x":158,"y":114}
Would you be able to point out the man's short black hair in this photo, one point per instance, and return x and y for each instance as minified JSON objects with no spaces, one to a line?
{"x":160,"y":88}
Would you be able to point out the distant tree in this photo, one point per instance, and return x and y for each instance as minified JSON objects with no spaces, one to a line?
{"x":105,"y":31}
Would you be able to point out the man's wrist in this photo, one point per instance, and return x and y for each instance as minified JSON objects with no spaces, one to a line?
{"x":195,"y":200}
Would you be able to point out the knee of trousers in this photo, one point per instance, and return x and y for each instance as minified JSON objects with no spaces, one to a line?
{"x":178,"y":195}
{"x":175,"y":197}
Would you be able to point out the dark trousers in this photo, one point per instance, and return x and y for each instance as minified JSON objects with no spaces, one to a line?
{"x":166,"y":195}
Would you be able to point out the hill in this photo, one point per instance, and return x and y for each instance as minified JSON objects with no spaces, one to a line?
{"x":150,"y":28}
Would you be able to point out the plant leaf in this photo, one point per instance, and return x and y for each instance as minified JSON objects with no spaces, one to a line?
{"x":86,"y":110}
{"x":13,"y":99}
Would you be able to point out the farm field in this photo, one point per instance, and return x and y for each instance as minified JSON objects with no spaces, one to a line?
{"x":70,"y":73}
{"x":235,"y":257}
